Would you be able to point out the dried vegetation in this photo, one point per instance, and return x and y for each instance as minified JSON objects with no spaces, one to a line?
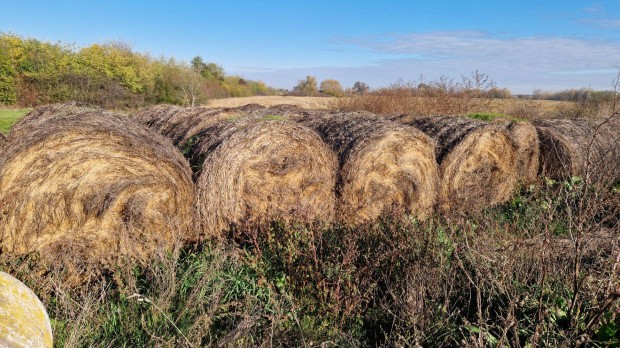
{"x":91,"y":187}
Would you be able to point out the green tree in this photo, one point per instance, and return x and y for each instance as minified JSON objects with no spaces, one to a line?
{"x":208,"y":70}
{"x":307,"y":87}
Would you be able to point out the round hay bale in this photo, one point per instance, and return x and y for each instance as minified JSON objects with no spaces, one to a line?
{"x":256,"y":170}
{"x":384,"y":166}
{"x":527,"y":149}
{"x":476,"y":161}
{"x":570,"y":147}
{"x":93,"y":186}
{"x":23,"y":319}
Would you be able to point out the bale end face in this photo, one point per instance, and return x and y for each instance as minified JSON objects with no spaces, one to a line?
{"x":392,"y":170}
{"x":90,"y":188}
{"x":269,"y":170}
{"x":479,"y":171}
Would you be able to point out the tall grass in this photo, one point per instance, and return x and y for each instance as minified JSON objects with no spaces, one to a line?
{"x":541,"y":270}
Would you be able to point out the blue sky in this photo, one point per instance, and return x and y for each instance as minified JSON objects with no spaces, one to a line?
{"x":522,"y":45}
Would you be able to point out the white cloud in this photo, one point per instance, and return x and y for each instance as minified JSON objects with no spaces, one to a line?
{"x":603,"y":23}
{"x":521,"y":63}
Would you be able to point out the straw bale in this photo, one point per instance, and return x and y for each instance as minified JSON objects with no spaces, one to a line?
{"x":93,"y":185}
{"x":572,"y":147}
{"x":527,"y":149}
{"x":384,"y":166}
{"x":42,"y":115}
{"x":182,"y":123}
{"x":255,"y":170}
{"x":476,"y":159}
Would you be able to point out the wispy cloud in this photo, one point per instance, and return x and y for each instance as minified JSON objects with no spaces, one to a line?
{"x":520,"y":63}
{"x":529,"y":53}
{"x":603,"y":23}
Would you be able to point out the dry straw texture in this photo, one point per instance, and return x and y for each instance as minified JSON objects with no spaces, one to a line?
{"x":41,"y":115}
{"x":92,"y":185}
{"x":527,"y":149}
{"x":2,"y":140}
{"x":180,"y":124}
{"x":384,"y":166}
{"x":257,"y":170}
{"x":576,"y":146}
{"x":476,"y":161}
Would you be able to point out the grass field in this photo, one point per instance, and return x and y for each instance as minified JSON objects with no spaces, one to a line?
{"x":9,"y":116}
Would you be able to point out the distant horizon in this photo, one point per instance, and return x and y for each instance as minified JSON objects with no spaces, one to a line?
{"x":522,"y":46}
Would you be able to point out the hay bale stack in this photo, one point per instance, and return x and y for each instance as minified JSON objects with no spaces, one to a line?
{"x":93,"y":185}
{"x":384,"y":166}
{"x":257,"y":170}
{"x":476,"y":161}
{"x":23,"y":319}
{"x":566,"y":144}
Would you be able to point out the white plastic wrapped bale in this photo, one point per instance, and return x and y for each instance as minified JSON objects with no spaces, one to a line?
{"x":23,"y":319}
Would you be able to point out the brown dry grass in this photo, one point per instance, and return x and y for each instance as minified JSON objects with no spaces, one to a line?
{"x":304,"y":102}
{"x":257,"y":170}
{"x":91,"y":186}
{"x":476,"y":161}
{"x":400,"y":101}
{"x":579,"y":147}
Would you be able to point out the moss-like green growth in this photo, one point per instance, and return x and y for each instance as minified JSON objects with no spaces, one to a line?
{"x":490,"y":116}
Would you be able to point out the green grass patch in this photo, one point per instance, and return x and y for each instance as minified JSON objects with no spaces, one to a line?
{"x":8,"y":117}
{"x":490,"y":116}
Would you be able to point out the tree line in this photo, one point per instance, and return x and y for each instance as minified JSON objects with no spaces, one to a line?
{"x":111,"y":75}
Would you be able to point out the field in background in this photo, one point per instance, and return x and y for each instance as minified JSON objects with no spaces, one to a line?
{"x":548,"y":108}
{"x":304,"y":102}
{"x":10,"y":116}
